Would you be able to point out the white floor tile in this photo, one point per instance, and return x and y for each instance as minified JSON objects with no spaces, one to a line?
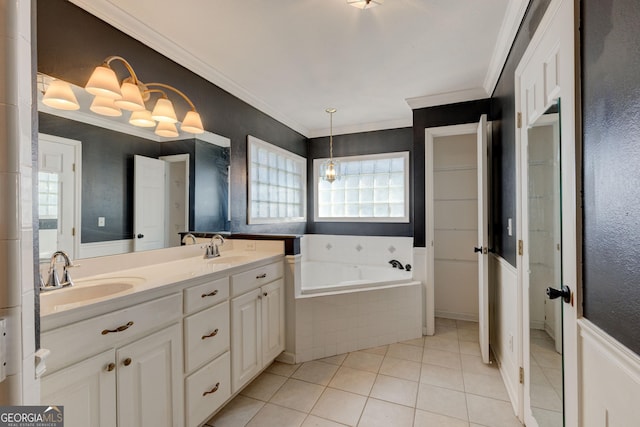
{"x":276,"y":416}
{"x":313,"y":421}
{"x":485,"y":385}
{"x":399,"y":368}
{"x":446,"y":359}
{"x":298,"y":395}
{"x":340,"y":406}
{"x":442,"y":401}
{"x":315,"y":372}
{"x":284,"y":369}
{"x":378,"y":413}
{"x":237,"y":413}
{"x":395,"y":390}
{"x":263,"y":387}
{"x":442,"y":344}
{"x":442,"y":377}
{"x":491,"y":412}
{"x":429,"y":419}
{"x":406,"y":352}
{"x":363,"y":361}
{"x":334,"y":360}
{"x":353,"y":380}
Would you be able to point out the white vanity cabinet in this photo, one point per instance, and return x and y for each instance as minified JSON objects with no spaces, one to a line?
{"x":257,"y":321}
{"x":206,"y":349}
{"x":135,"y":380}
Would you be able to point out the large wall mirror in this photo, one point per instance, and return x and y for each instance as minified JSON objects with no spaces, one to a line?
{"x":96,"y":176}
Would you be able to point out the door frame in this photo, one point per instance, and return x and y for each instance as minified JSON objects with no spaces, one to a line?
{"x":176,"y":158}
{"x":429,"y":135}
{"x":77,"y":184}
{"x":546,"y":73}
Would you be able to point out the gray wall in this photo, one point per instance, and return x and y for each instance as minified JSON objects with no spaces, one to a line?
{"x":611,"y":165}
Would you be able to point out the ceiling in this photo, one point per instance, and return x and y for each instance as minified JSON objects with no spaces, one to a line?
{"x":294,"y":58}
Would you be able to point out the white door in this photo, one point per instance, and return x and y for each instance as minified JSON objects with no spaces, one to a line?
{"x":150,"y":381}
{"x":58,"y":195}
{"x":272,"y":320}
{"x":483,"y":240}
{"x":87,"y":390}
{"x":149,"y":207}
{"x":246,"y":338}
{"x":177,"y":198}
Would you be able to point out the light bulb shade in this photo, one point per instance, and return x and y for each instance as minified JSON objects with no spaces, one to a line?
{"x":142,"y":118}
{"x":192,"y":123}
{"x":330,"y":170}
{"x":364,"y":4}
{"x":131,"y":98}
{"x":105,"y":106}
{"x":60,"y":95}
{"x":104,"y":82}
{"x":164,"y":112}
{"x":166,"y":129}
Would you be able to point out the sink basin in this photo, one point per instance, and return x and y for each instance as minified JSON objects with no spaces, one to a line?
{"x":232,"y":259}
{"x":87,"y":290}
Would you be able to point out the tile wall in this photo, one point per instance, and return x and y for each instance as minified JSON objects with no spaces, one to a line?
{"x":16,"y":220}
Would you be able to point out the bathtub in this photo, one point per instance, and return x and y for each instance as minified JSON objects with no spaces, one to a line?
{"x":319,"y":277}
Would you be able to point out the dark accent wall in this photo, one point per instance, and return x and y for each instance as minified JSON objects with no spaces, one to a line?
{"x":385,"y":141}
{"x":71,"y":42}
{"x":611,"y":159}
{"x":503,"y":141}
{"x":442,"y":115}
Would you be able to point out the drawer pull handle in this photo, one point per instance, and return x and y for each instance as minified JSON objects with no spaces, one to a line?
{"x":127,"y":361}
{"x":212,"y":334}
{"x":261,"y":276}
{"x":213,"y":390}
{"x":111,"y":367}
{"x":118,"y":329}
{"x":210,"y":294}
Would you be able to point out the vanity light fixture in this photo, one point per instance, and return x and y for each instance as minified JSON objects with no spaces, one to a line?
{"x":330,"y":168}
{"x":131,"y":94}
{"x":60,"y":95}
{"x":364,"y":4}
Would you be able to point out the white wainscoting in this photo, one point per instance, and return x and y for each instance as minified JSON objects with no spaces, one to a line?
{"x":112,"y":247}
{"x":505,"y":337}
{"x":610,"y":377}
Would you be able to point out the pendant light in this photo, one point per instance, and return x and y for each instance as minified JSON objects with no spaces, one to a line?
{"x":330,"y":168}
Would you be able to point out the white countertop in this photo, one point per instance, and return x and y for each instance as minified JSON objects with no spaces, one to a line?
{"x":142,"y":283}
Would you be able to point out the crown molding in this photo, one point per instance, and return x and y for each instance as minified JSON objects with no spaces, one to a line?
{"x":115,"y":16}
{"x":513,"y":17}
{"x":364,"y":127}
{"x":447,"y":98}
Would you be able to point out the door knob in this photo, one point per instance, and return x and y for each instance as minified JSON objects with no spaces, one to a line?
{"x":140,"y":236}
{"x":477,"y":249}
{"x":127,"y":361}
{"x":563,"y":292}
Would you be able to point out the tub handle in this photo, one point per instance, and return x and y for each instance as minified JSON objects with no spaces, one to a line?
{"x":261,"y":276}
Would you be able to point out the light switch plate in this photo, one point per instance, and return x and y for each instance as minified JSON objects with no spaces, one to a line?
{"x":509,"y":227}
{"x":101,"y":221}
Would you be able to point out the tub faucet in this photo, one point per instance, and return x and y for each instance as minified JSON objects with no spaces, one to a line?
{"x":213,"y":250}
{"x":396,"y":264}
{"x":189,"y":236}
{"x":54,"y":281}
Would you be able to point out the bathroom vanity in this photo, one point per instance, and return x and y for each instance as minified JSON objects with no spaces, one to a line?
{"x":165,"y":343}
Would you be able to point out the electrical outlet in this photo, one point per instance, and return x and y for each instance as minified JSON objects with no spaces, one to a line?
{"x":250,"y":245}
{"x":101,"y":221}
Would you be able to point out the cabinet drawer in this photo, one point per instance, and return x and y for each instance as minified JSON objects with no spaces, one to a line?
{"x":206,"y":335}
{"x":206,"y":295}
{"x":80,"y":340}
{"x":256,"y":277}
{"x":207,"y":389}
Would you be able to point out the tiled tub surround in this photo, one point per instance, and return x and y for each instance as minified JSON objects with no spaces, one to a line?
{"x":345,"y":320}
{"x":185,"y":334}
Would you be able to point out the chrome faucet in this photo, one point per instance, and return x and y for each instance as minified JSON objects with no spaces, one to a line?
{"x":213,"y":250}
{"x":53,"y":281}
{"x":189,"y":236}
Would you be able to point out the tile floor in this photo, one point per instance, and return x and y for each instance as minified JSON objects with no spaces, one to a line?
{"x":437,"y":381}
{"x":546,"y":380}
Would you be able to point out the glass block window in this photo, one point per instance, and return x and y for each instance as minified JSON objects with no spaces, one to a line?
{"x":48,"y":195}
{"x":277,"y":184}
{"x":372,"y":188}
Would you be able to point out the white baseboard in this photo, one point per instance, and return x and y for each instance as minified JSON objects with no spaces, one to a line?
{"x":286,"y":357}
{"x":457,"y":316}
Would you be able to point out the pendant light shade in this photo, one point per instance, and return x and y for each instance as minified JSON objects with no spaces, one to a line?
{"x":104,"y":82}
{"x":142,"y":118}
{"x":105,"y":107}
{"x":364,"y":4}
{"x":166,"y":129}
{"x":330,"y":168}
{"x":60,"y":95}
{"x":192,"y":123}
{"x":164,"y":112}
{"x":131,"y":98}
